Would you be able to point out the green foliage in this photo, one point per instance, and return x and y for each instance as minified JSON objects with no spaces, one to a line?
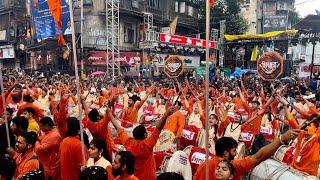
{"x":228,"y":10}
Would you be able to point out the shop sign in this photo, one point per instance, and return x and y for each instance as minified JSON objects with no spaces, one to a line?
{"x":183,"y":40}
{"x":125,"y":58}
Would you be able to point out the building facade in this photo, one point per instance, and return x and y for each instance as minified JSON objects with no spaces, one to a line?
{"x":12,"y":32}
{"x":276,"y":15}
{"x":249,"y":10}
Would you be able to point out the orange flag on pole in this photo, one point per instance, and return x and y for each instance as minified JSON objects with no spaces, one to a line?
{"x":55,"y":7}
{"x":211,"y":2}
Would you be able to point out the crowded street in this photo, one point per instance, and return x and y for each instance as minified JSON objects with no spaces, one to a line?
{"x":159,"y":90}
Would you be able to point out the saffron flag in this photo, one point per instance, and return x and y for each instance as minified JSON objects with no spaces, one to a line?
{"x":211,"y":2}
{"x":173,"y":26}
{"x":254,"y":54}
{"x":55,"y":7}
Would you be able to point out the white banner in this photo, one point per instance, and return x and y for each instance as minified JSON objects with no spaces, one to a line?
{"x":189,"y":61}
{"x":6,"y":52}
{"x":3,"y":35}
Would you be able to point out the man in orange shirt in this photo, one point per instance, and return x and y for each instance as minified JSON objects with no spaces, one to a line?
{"x":71,"y":159}
{"x":131,"y":113}
{"x":123,"y":166}
{"x":306,"y":155}
{"x":142,"y":146}
{"x":176,"y":121}
{"x":24,"y":156}
{"x":226,"y":150}
{"x":47,"y":148}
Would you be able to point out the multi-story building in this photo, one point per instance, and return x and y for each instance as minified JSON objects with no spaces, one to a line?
{"x":132,"y":13}
{"x":134,"y":17}
{"x":12,"y":29}
{"x":249,"y":10}
{"x":276,"y":15}
{"x":267,"y":15}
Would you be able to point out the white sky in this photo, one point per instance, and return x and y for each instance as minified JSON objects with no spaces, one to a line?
{"x":305,"y":7}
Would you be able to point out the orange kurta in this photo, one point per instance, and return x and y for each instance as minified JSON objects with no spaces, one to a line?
{"x":25,"y":162}
{"x":306,"y":154}
{"x":47,"y":150}
{"x":145,"y":165}
{"x":71,"y":158}
{"x":101,"y":129}
{"x":241,"y":167}
{"x":131,"y":113}
{"x":175,"y":123}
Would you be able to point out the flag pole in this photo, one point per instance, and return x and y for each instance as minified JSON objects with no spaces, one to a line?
{"x":74,"y":50}
{"x":4,"y":107}
{"x":81,"y":40}
{"x":207,"y":87}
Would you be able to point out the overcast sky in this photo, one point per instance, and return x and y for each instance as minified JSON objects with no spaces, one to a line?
{"x":306,"y":7}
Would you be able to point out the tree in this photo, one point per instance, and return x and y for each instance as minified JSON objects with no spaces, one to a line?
{"x":228,"y":10}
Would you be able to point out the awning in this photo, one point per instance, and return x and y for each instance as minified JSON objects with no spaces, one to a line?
{"x":311,"y":22}
{"x":260,"y":36}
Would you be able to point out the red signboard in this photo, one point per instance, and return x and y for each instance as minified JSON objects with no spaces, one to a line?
{"x":183,"y":40}
{"x":125,"y":58}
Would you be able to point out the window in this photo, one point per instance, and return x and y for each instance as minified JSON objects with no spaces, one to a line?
{"x":190,"y":11}
{"x":128,"y":34}
{"x":281,"y":6}
{"x":135,"y":3}
{"x":182,"y":7}
{"x":87,"y":2}
{"x":176,"y":6}
{"x":154,"y":3}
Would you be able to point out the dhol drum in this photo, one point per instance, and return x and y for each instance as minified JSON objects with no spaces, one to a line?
{"x":196,"y":156}
{"x":247,"y":138}
{"x":189,"y":136}
{"x":241,"y":150}
{"x":166,"y":142}
{"x":180,"y":164}
{"x":160,"y":158}
{"x":284,"y":154}
{"x":275,"y":170}
{"x":128,"y":128}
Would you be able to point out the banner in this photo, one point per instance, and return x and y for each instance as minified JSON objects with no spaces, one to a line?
{"x":183,"y":40}
{"x":304,"y":70}
{"x":274,"y":23}
{"x":125,"y":59}
{"x":270,"y":66}
{"x":173,"y":66}
{"x":189,"y":61}
{"x":7,"y":52}
{"x":44,"y":24}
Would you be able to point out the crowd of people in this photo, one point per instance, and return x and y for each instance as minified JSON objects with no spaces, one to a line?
{"x":44,"y":134}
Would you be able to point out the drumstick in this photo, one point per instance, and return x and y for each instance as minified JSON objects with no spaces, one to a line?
{"x":175,"y":103}
{"x":313,"y":120}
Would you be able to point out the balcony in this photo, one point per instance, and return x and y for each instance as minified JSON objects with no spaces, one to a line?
{"x":129,"y":7}
{"x":185,"y":20}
